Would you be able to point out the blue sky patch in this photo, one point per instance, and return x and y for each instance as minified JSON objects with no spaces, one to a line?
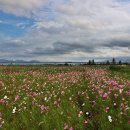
{"x":14,"y":25}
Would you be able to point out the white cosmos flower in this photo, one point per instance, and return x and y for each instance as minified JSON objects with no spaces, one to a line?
{"x":45,"y":98}
{"x":83,"y":104}
{"x":120,"y":91}
{"x":87,"y":113}
{"x":5,"y":97}
{"x":14,"y":110}
{"x":109,"y":118}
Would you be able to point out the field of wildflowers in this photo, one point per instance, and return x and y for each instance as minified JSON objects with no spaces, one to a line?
{"x":63,"y":98}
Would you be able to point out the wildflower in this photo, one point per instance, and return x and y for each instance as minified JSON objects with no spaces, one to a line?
{"x":14,"y":110}
{"x":80,"y":113}
{"x":70,"y":128}
{"x":2,"y":101}
{"x":107,"y":109}
{"x":62,"y":93}
{"x":85,"y":122}
{"x":45,"y":98}
{"x":2,"y":123}
{"x":43,"y":108}
{"x":128,"y":92}
{"x":114,"y":104}
{"x":16,"y":98}
{"x":65,"y":126}
{"x":83,"y":104}
{"x":115,"y":95}
{"x":120,"y":91}
{"x":5,"y":97}
{"x":100,"y":92}
{"x":105,"y":95}
{"x":70,"y":98}
{"x":87,"y":113}
{"x":109,"y":118}
{"x":55,"y":102}
{"x":121,"y":113}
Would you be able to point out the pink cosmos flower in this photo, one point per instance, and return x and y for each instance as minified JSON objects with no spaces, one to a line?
{"x":115,"y":95}
{"x":70,"y":128}
{"x":2,"y":101}
{"x":62,"y":93}
{"x":16,"y":98}
{"x":107,"y":109}
{"x":65,"y":126}
{"x":114,"y":104}
{"x":128,"y":92}
{"x":43,"y":107}
{"x":100,"y":92}
{"x":105,"y":95}
{"x":85,"y":122}
{"x":80,"y":113}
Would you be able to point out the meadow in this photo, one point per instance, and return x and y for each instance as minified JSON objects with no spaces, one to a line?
{"x":64,"y":97}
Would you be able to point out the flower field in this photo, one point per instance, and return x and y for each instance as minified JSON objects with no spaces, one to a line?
{"x":63,"y":98}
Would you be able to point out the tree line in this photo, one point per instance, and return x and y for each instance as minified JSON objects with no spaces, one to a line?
{"x":113,"y":62}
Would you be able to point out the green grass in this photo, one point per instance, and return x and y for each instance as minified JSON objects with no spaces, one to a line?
{"x":122,"y":70}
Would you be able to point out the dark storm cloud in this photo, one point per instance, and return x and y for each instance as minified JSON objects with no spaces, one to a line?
{"x":118,"y":43}
{"x":63,"y":48}
{"x":9,"y":46}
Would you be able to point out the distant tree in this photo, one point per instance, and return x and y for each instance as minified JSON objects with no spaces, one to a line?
{"x":93,"y":62}
{"x":113,"y":61}
{"x":89,"y":62}
{"x":107,"y":62}
{"x":120,"y":62}
{"x":66,"y":63}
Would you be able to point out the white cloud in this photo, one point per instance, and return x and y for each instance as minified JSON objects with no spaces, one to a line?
{"x":115,"y":52}
{"x":95,"y":14}
{"x":20,"y":7}
{"x":48,"y":24}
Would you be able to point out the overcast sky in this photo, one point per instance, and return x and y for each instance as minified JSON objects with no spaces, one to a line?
{"x":64,"y":30}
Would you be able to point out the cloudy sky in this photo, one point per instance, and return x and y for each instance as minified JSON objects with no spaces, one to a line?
{"x":64,"y":30}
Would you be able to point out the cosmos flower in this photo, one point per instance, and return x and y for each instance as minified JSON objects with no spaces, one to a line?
{"x":87,"y":113}
{"x":109,"y":118}
{"x":5,"y":97}
{"x":16,"y":98}
{"x":71,"y":128}
{"x":105,"y":95}
{"x":65,"y":126}
{"x":14,"y":110}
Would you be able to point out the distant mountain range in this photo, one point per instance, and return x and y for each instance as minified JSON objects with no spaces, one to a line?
{"x":18,"y":61}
